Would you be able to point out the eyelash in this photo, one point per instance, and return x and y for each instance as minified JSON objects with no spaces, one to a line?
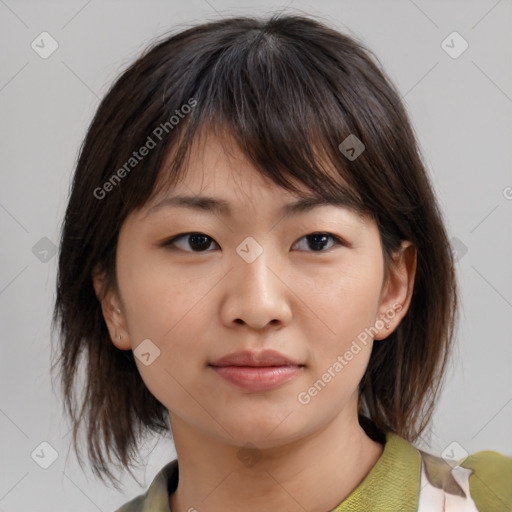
{"x":171,"y":241}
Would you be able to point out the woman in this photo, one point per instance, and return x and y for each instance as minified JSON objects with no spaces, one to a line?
{"x":254,"y":259}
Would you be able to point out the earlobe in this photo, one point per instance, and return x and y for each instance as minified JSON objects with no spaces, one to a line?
{"x":111,"y":311}
{"x":397,"y":292}
{"x":118,"y":332}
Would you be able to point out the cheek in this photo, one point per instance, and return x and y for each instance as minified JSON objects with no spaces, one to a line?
{"x":345,"y":301}
{"x":165,"y":308}
{"x":340,"y":344}
{"x":179,"y":364}
{"x":157,"y":298}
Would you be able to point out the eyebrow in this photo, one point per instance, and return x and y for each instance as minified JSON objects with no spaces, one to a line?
{"x":222,"y":207}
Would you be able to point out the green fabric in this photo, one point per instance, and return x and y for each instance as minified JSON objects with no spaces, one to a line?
{"x":393,"y":484}
{"x":156,"y":498}
{"x":491,"y":481}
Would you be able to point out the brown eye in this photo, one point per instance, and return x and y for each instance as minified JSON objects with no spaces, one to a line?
{"x":318,"y":241}
{"x":190,"y":242}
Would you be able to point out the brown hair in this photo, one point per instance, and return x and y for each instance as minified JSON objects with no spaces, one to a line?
{"x":288,"y":89}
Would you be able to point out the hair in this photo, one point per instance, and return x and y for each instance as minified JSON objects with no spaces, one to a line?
{"x":288,"y":89}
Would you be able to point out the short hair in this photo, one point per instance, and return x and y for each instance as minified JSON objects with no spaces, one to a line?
{"x":289,"y":89}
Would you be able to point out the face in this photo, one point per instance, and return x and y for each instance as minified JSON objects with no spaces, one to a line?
{"x":295,"y":298}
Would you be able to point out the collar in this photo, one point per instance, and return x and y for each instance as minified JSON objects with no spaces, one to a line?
{"x":392,"y":483}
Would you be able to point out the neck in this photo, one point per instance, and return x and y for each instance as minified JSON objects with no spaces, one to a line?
{"x":314,"y":473}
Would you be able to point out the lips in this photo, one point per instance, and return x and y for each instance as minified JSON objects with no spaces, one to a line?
{"x":256,"y":371}
{"x":247,"y":358}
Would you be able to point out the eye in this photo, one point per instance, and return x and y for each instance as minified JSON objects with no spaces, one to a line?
{"x":199,"y":242}
{"x":319,"y":241}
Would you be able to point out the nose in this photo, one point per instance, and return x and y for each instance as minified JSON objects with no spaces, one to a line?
{"x":256,"y":295}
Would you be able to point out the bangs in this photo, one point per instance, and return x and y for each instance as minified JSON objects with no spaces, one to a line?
{"x":261,"y":94}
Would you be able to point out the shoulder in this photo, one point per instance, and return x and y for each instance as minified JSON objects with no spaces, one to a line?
{"x":480,"y":482}
{"x":491,"y":480}
{"x":134,"y":505}
{"x":156,"y":498}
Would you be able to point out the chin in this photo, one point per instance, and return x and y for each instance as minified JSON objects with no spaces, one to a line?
{"x":265,"y":430}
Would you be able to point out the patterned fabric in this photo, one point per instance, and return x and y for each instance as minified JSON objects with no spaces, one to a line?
{"x":404,"y":479}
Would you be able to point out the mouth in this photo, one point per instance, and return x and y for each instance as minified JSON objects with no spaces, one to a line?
{"x":264,"y":358}
{"x":256,"y":371}
{"x":257,"y":378}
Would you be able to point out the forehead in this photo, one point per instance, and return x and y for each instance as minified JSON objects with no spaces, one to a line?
{"x":220,"y":167}
{"x":216,"y":173}
{"x":215,"y":160}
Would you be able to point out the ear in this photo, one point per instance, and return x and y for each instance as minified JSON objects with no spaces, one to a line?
{"x":112,"y":311}
{"x":397,"y":290}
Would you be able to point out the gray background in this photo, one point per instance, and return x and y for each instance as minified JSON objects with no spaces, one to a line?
{"x":461,"y":109}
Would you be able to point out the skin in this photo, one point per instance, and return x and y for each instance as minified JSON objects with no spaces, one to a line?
{"x":307,"y":303}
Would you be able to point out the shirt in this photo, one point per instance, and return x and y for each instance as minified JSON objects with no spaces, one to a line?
{"x":403,"y":479}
